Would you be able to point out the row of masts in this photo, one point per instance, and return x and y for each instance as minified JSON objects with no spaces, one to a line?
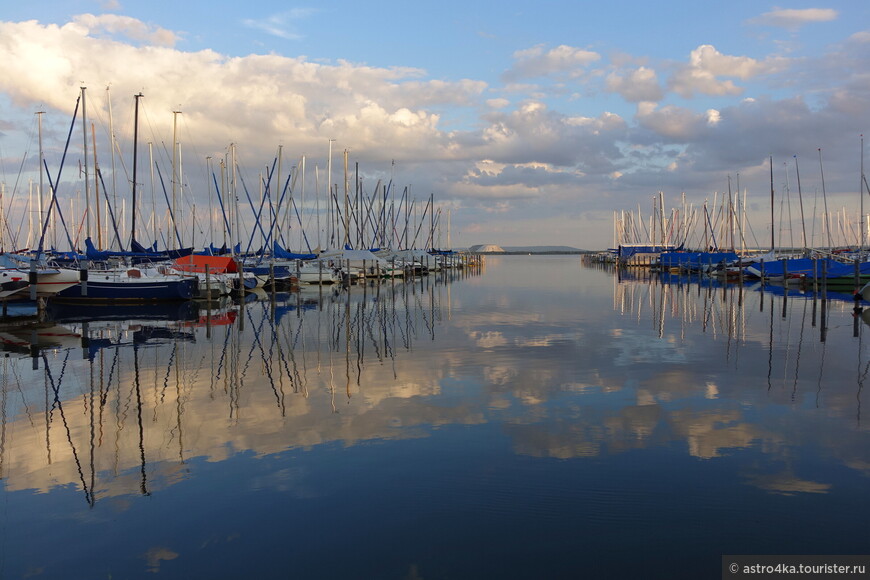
{"x":723,"y":223}
{"x":351,"y":216}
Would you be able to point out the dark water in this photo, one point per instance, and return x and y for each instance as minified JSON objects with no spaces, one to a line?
{"x":540,"y":419}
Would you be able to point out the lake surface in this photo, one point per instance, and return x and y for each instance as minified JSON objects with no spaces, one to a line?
{"x":540,"y":418}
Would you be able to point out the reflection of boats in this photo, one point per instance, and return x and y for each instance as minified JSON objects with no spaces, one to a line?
{"x":221,"y":317}
{"x":667,"y":277}
{"x":148,"y":333}
{"x":64,"y":312}
{"x":17,"y":307}
{"x":117,"y":404}
{"x":30,"y":338}
{"x":255,"y":295}
{"x":803,"y":292}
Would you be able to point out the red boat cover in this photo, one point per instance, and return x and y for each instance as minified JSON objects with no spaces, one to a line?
{"x":198,"y":263}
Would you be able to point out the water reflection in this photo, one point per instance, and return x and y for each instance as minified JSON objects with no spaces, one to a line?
{"x":117,"y":400}
{"x":442,"y":416}
{"x":768,"y":358}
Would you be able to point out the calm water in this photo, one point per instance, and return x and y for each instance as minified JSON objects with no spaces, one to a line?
{"x":540,"y":419}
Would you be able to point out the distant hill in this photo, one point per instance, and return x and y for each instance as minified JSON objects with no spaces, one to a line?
{"x":488,"y":248}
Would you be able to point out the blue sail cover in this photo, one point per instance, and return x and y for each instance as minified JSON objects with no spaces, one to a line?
{"x":283,"y":254}
{"x":627,"y":251}
{"x":801,"y":266}
{"x":695,"y":260}
{"x":162,"y":254}
{"x":839,"y":270}
{"x":94,"y":254}
{"x":138,"y":252}
{"x":65,"y":257}
{"x":222,"y":251}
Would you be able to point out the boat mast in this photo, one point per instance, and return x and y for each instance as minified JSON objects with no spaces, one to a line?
{"x":662,"y":217}
{"x":801,"y":199}
{"x":238,"y":233}
{"x":772,"y":230}
{"x":827,"y":220}
{"x":136,"y":98}
{"x":346,"y":208}
{"x":275,"y":214}
{"x":96,"y":188}
{"x":730,"y":215}
{"x":87,"y":179}
{"x":174,"y":177}
{"x":112,"y":143}
{"x":861,"y":195}
{"x":151,"y":165}
{"x":39,"y":115}
{"x":329,"y":211}
{"x":209,"y":171}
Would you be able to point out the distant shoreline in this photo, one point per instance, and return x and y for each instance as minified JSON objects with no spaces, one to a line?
{"x":533,"y":253}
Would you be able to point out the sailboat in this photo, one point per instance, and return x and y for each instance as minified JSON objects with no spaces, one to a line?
{"x":45,"y":281}
{"x":129,"y":283}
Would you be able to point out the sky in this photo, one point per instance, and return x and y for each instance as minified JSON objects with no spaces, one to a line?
{"x":548,"y":123}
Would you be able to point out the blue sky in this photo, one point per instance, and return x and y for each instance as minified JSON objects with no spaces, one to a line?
{"x":531,"y":123}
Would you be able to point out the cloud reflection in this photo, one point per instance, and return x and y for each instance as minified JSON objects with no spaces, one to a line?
{"x":557,"y":382}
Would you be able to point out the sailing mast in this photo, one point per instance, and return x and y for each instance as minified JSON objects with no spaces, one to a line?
{"x":772,"y":230}
{"x":861,"y":195}
{"x":175,"y":178}
{"x":827,"y":220}
{"x":730,"y":215}
{"x":113,"y":144}
{"x":87,"y":180}
{"x":39,"y":115}
{"x":346,"y":209}
{"x":135,"y":159}
{"x":97,"y":188}
{"x":801,"y":199}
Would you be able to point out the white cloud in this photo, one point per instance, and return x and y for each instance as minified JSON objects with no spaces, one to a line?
{"x":674,"y":123}
{"x":862,"y":37}
{"x":702,"y":74}
{"x":497,"y":103}
{"x":713,"y":117}
{"x":282,"y":25}
{"x":795,"y":18}
{"x":640,"y":84}
{"x":551,"y":146}
{"x":126,"y":27}
{"x":258,"y":99}
{"x":535,"y":62}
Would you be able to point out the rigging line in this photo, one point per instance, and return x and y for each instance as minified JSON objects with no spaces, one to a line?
{"x":53,"y":202}
{"x":257,"y":223}
{"x":770,"y":352}
{"x":253,"y":344}
{"x":267,"y":364}
{"x":59,"y":405}
{"x":277,"y":334}
{"x":143,"y":485}
{"x":168,"y":204}
{"x":169,"y":365}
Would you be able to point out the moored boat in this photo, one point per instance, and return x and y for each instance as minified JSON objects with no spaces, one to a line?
{"x":130,"y":285}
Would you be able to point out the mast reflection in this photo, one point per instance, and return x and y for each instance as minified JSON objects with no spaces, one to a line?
{"x":129,"y":397}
